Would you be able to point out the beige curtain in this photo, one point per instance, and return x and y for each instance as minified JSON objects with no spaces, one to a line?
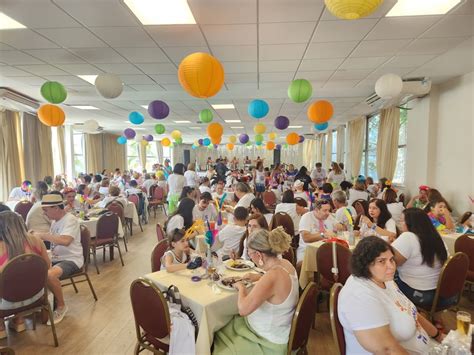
{"x":328,"y":156}
{"x":37,"y":151}
{"x":159,"y":152}
{"x":356,"y":143}
{"x":341,"y":140}
{"x":10,"y":166}
{"x":142,"y":154}
{"x":309,"y":156}
{"x":319,"y":148}
{"x":61,"y":149}
{"x":94,"y":153}
{"x":387,"y":142}
{"x":114,"y":153}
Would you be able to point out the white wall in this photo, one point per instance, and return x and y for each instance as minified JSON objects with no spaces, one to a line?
{"x":440,"y":142}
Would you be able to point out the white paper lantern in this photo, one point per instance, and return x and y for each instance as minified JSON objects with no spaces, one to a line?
{"x":90,"y":126}
{"x":389,"y":86}
{"x":108,"y":85}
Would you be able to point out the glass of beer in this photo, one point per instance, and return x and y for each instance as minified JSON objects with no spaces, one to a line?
{"x":463,"y":320}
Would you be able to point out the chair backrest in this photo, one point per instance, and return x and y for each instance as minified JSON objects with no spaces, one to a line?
{"x":160,"y":233}
{"x":134,"y":199}
{"x":283,"y":219}
{"x":117,"y":208}
{"x":300,"y":201}
{"x":303,"y":318}
{"x":7,"y":351}
{"x":85,"y":242}
{"x":452,"y":277}
{"x":324,"y":261}
{"x":158,"y":193}
{"x":143,"y":188}
{"x":150,"y":310}
{"x":107,"y":226}
{"x":290,"y":256}
{"x":361,"y":206}
{"x":336,"y":326}
{"x":156,"y":255}
{"x":22,"y":208}
{"x":23,"y":277}
{"x":465,"y":244}
{"x":269,"y":198}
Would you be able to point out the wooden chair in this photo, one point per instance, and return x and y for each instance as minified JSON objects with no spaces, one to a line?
{"x":135,"y":199}
{"x":157,"y":199}
{"x":160,"y":233}
{"x":465,"y":244}
{"x":450,"y":283}
{"x":7,"y":351}
{"x":22,"y":208}
{"x":85,"y":241}
{"x":22,"y":278}
{"x":117,"y":208}
{"x":106,"y":236}
{"x":302,"y":319}
{"x":269,"y":199}
{"x":156,"y":255}
{"x":152,"y":316}
{"x":336,"y":326}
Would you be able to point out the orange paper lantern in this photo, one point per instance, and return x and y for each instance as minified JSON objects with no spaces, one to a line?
{"x":201,"y":75}
{"x":51,"y":115}
{"x":165,"y":142}
{"x":270,"y":145}
{"x":320,"y":111}
{"x":230,"y":146}
{"x":292,"y":138}
{"x":215,"y":130}
{"x":216,"y":140}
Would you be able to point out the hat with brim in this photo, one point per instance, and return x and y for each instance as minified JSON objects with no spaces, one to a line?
{"x":52,"y":200}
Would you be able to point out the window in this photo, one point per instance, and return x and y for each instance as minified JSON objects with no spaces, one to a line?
{"x":133,"y":159}
{"x":334,"y":147}
{"x":151,"y":156}
{"x":399,"y":177}
{"x":167,"y":154}
{"x":79,"y":154}
{"x":55,"y":149}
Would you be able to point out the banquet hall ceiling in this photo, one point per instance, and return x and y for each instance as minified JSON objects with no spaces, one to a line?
{"x":262,"y":44}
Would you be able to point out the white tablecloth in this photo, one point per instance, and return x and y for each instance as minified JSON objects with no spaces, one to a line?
{"x":213,"y":311}
{"x":450,"y":239}
{"x":130,"y":211}
{"x":11,"y":204}
{"x":91,"y":224}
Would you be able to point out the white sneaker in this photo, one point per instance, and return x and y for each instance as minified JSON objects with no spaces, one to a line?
{"x":58,"y":315}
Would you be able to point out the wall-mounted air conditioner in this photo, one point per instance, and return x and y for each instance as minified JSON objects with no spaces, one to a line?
{"x":16,"y":101}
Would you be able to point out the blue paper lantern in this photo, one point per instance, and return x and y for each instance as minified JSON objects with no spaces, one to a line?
{"x":258,"y":109}
{"x":321,"y":126}
{"x":258,"y":142}
{"x":206,"y":141}
{"x":121,"y":140}
{"x":136,"y":117}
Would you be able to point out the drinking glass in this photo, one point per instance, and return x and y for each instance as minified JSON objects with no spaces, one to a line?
{"x":463,"y":321}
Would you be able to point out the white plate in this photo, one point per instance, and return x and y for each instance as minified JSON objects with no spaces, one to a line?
{"x":248,"y":263}
{"x":230,"y":288}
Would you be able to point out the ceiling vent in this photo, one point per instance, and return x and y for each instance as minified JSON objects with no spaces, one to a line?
{"x":16,"y":101}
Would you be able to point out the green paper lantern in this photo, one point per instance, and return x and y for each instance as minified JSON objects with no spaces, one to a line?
{"x":258,"y":138}
{"x":178,"y":140}
{"x":248,"y":144}
{"x":159,"y":128}
{"x":300,"y":90}
{"x":285,"y":145}
{"x":53,"y":92}
{"x":205,"y":116}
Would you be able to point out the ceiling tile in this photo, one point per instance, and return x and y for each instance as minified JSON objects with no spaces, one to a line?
{"x":147,"y":87}
{"x":363,"y":63}
{"x":165,"y":79}
{"x":282,"y":51}
{"x":384,"y":70}
{"x":25,"y":39}
{"x":452,"y":26}
{"x":79,"y":69}
{"x":241,"y":78}
{"x":408,"y":61}
{"x":289,"y":10}
{"x":124,"y":68}
{"x":18,"y":58}
{"x":178,"y":53}
{"x":432,"y":45}
{"x":66,"y":79}
{"x":143,"y":55}
{"x":42,"y":69}
{"x":222,"y":35}
{"x":330,"y":49}
{"x":136,"y":79}
{"x":242,"y":86}
{"x":72,"y":37}
{"x":5,"y":47}
{"x":315,"y":75}
{"x":224,"y":12}
{"x":351,"y":74}
{"x":158,"y":68}
{"x":240,"y":67}
{"x":176,"y":35}
{"x":331,"y":31}
{"x":7,"y":71}
{"x":30,"y":80}
{"x":99,"y":13}
{"x":466,"y":8}
{"x":235,"y":53}
{"x":271,"y":66}
{"x":99,"y":55}
{"x":320,"y":64}
{"x":286,"y":32}
{"x":273,"y":77}
{"x":401,"y":27}
{"x":55,"y":56}
{"x":341,"y":84}
{"x":124,"y":36}
{"x":379,"y":48}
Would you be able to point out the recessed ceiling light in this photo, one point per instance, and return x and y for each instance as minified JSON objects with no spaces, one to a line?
{"x":162,"y":12}
{"x":85,"y":107}
{"x":144,"y":106}
{"x":182,"y":121}
{"x":233,"y":121}
{"x":89,"y":78}
{"x":139,"y":129}
{"x":236,"y":127}
{"x":421,"y":7}
{"x":7,"y":23}
{"x":223,"y":107}
{"x":195,"y":127}
{"x":295,"y":126}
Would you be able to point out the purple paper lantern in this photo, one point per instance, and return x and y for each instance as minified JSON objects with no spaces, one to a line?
{"x":243,"y":138}
{"x":278,"y":147}
{"x":129,"y":133}
{"x":200,"y":141}
{"x":215,"y":146}
{"x":158,"y":109}
{"x":301,"y":139}
{"x":148,"y":138}
{"x":282,"y":122}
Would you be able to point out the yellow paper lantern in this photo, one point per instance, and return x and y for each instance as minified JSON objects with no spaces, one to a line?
{"x":232,"y":139}
{"x":51,"y":115}
{"x":175,"y":134}
{"x":259,"y":128}
{"x":144,"y":143}
{"x":292,"y":138}
{"x":215,"y":130}
{"x":320,"y":111}
{"x":352,"y":9}
{"x":230,"y":146}
{"x":270,"y":145}
{"x":165,"y":142}
{"x":272,"y":136}
{"x":201,"y":75}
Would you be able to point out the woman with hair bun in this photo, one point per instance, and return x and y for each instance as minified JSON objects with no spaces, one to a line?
{"x":267,"y":310}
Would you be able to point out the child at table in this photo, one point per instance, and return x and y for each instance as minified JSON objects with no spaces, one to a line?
{"x":178,"y":257}
{"x":439,"y":215}
{"x":228,"y":239}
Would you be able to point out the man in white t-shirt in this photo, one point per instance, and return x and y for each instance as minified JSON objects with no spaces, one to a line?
{"x":22,"y":192}
{"x":316,"y":225}
{"x":205,"y":210}
{"x":149,"y":182}
{"x":228,"y":239}
{"x":344,"y":215}
{"x":205,"y":185}
{"x":318,"y":175}
{"x":66,"y":248}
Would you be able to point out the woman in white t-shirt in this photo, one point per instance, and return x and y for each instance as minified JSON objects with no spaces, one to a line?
{"x":395,"y":208}
{"x":336,"y":176}
{"x":258,"y":206}
{"x":176,"y":182}
{"x":182,"y":218}
{"x":192,"y":178}
{"x":242,"y":191}
{"x":379,"y":222}
{"x":377,"y":318}
{"x":420,"y":253}
{"x":358,"y":192}
{"x":289,"y":206}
